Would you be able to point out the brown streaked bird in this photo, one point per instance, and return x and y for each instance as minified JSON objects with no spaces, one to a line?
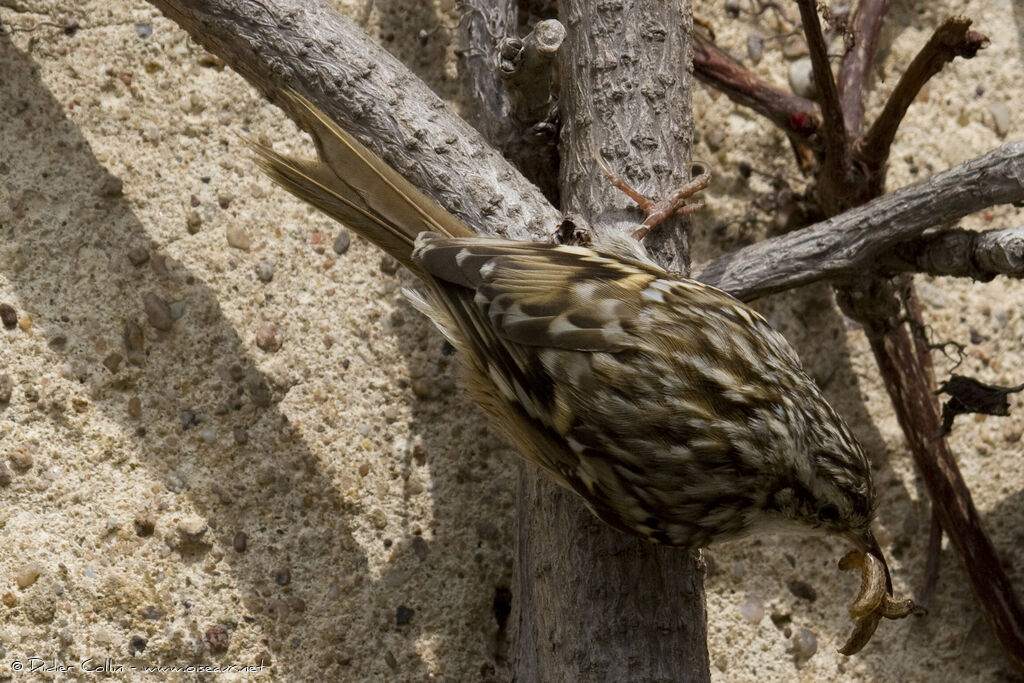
{"x":675,"y":411}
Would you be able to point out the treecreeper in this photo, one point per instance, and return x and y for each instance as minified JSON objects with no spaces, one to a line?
{"x":672,"y":409}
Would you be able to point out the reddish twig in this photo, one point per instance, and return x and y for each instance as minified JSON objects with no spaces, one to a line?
{"x":797,"y":116}
{"x":853,"y":72}
{"x":952,"y":39}
{"x":906,"y":367}
{"x":836,"y":171}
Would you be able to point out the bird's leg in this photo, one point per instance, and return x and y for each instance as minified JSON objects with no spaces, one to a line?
{"x":658,"y":211}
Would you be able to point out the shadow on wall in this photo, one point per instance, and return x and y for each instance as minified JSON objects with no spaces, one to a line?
{"x":67,"y":239}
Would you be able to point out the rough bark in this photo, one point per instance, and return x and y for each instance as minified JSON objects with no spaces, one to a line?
{"x":961,"y":253}
{"x":846,"y":245}
{"x":488,"y":47}
{"x":596,"y":604}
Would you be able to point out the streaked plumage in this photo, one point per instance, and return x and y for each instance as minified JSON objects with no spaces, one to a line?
{"x":675,"y":411}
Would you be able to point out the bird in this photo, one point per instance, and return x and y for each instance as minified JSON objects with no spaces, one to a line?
{"x":675,"y":411}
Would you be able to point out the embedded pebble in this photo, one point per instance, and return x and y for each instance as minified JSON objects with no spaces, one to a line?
{"x":238,"y":237}
{"x":21,"y":458}
{"x":265,"y":270}
{"x":342,"y":242}
{"x":240,"y":435}
{"x":192,"y":529}
{"x":257,"y":388}
{"x":5,"y":475}
{"x":112,"y":361}
{"x":138,"y":256}
{"x":1000,"y":117}
{"x":793,"y":47}
{"x":752,"y":610}
{"x":112,"y":186}
{"x":802,"y":589}
{"x":755,"y":47}
{"x":175,"y":482}
{"x":25,"y":322}
{"x":158,"y":313}
{"x":268,"y":337}
{"x":240,"y":542}
{"x":403,"y":615}
{"x":143,"y":31}
{"x":133,"y":342}
{"x":28,"y":573}
{"x":135,"y":406}
{"x":715,"y":138}
{"x":218,"y":637}
{"x":224,"y":199}
{"x":194,"y":222}
{"x":805,"y":643}
{"x":801,"y":78}
{"x":177,"y":309}
{"x":208,"y":434}
{"x":283,"y":577}
{"x":422,"y":388}
{"x":420,"y":547}
{"x":6,"y":388}
{"x":136,"y":645}
{"x":40,"y":604}
{"x":8,"y":315}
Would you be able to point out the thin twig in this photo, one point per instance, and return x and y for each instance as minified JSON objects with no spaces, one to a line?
{"x":953,"y":38}
{"x":797,"y":116}
{"x":835,"y":169}
{"x":853,"y":72}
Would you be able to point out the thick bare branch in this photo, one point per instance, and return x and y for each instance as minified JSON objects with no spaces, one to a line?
{"x":598,"y":605}
{"x":843,"y":246}
{"x":482,"y":28}
{"x":312,"y":48}
{"x":528,"y":67}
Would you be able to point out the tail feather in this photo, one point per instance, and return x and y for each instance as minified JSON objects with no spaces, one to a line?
{"x":355,"y":186}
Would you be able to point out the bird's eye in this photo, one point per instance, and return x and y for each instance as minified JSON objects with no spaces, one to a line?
{"x":828,"y":513}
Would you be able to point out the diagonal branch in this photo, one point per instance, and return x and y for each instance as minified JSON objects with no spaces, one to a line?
{"x":797,"y":116}
{"x":848,"y":245}
{"x":905,"y":363}
{"x":324,"y":55}
{"x":952,"y":39}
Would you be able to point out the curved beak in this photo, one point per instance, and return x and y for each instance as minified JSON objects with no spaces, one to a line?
{"x":865,"y":542}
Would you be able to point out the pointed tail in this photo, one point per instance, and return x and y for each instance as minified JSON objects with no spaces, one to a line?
{"x":355,"y":186}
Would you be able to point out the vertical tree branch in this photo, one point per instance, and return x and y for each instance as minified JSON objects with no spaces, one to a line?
{"x":482,"y":27}
{"x":853,"y":72}
{"x":598,"y":605}
{"x":836,"y":174}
